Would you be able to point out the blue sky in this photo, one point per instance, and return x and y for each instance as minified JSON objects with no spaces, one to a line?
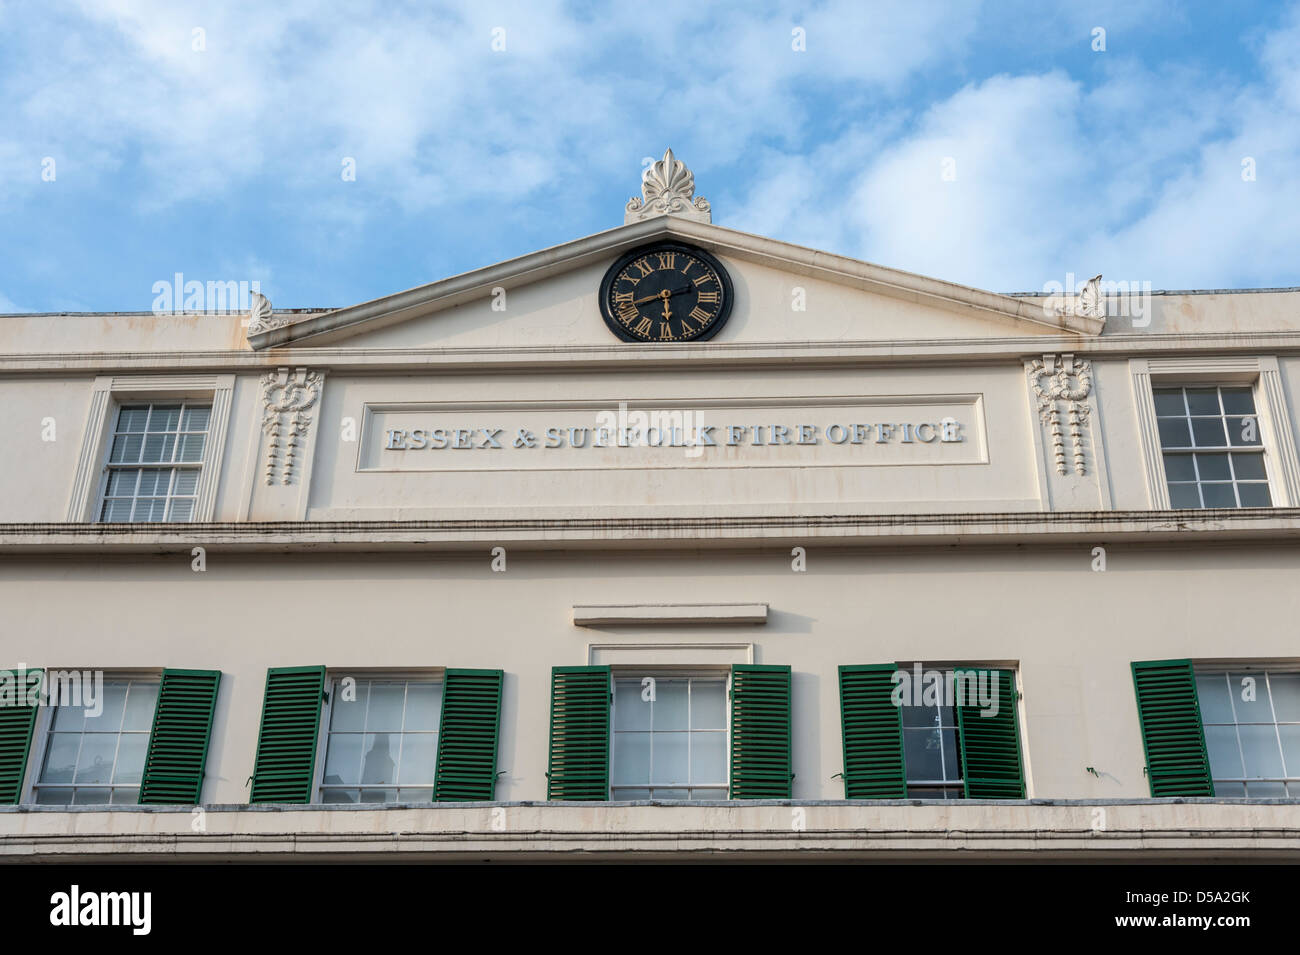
{"x":219,"y":154}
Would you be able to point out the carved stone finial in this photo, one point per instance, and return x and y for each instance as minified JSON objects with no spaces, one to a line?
{"x":260,"y":318}
{"x":1089,"y":303}
{"x":667,"y":188}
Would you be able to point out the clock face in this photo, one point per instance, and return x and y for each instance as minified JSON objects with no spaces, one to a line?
{"x":666,"y":292}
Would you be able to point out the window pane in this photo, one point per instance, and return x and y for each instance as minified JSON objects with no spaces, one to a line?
{"x":1229,"y":790}
{"x":130,"y":758}
{"x":348,"y":710}
{"x":159,"y":447}
{"x":1250,"y":697}
{"x":423,"y":703}
{"x":121,"y":482}
{"x":126,"y":796}
{"x":630,"y":711}
{"x":1174,"y":433}
{"x":1218,"y":495}
{"x":186,"y":481}
{"x":1184,"y":495}
{"x":419,"y":758}
{"x":1266,"y":790}
{"x":1259,"y":749}
{"x":109,"y":705}
{"x":91,"y":797}
{"x":164,"y":417}
{"x":921,"y":752}
{"x":1169,"y":402}
{"x":1290,"y":749}
{"x":379,"y":759}
{"x":126,"y":449}
{"x":343,"y":759}
{"x":95,"y":764}
{"x":1212,"y":694}
{"x":1203,"y":400}
{"x":708,"y":704}
{"x":1286,"y":696}
{"x":1213,"y":467}
{"x":339,"y":795}
{"x":1225,"y":755}
{"x":378,"y":795}
{"x":149,"y":509}
{"x":669,"y":710}
{"x":196,"y":419}
{"x":1208,"y":432}
{"x":669,"y":758}
{"x":709,"y":757}
{"x":1254,"y":495}
{"x":951,"y":762}
{"x":1248,"y":467}
{"x":631,"y":758}
{"x":1178,"y":467}
{"x":630,"y":795}
{"x":117,"y":510}
{"x":920,"y":716}
{"x":709,"y":793}
{"x":54,"y":797}
{"x":1244,"y":432}
{"x":180,"y":509}
{"x":387,"y":700}
{"x":61,"y":758}
{"x":133,"y":419}
{"x":140,"y":702}
{"x":191,"y":447}
{"x":1238,"y":401}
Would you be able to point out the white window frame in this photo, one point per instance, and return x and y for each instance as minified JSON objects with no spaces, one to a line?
{"x":109,"y":394}
{"x":1262,"y":373}
{"x":427,"y":674}
{"x":1263,"y":669}
{"x":44,"y":722}
{"x":633,"y":672}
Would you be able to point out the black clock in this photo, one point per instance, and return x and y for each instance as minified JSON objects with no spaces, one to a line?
{"x":666,"y":292}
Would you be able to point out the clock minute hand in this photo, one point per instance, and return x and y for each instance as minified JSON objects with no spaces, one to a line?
{"x":660,"y":294}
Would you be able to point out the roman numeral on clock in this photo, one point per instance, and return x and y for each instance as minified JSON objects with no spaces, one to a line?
{"x":700,"y":315}
{"x":666,"y":259}
{"x":642,"y":327}
{"x":700,"y":280}
{"x":710,"y":297}
{"x":645,"y":267}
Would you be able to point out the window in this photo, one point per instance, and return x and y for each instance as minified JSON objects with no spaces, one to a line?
{"x":154,"y":462}
{"x":670,"y":738}
{"x":95,"y":751}
{"x":1252,"y":731}
{"x":1213,"y":454}
{"x":382,"y":742}
{"x":931,"y":751}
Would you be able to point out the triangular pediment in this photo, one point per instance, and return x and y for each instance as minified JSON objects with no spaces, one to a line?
{"x":783,"y":293}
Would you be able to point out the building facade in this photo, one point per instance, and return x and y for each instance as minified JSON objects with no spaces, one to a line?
{"x":668,"y":542}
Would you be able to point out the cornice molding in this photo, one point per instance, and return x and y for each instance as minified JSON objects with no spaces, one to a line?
{"x":560,"y":358}
{"x":744,"y":533}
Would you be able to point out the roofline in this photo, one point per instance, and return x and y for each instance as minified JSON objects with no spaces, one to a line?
{"x":468,"y":286}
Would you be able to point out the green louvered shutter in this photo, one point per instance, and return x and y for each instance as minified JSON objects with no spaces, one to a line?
{"x":467,"y":736}
{"x":873,"y":733}
{"x":990,"y":745}
{"x":178,"y":743}
{"x":1172,"y":734}
{"x":578,"y":766}
{"x":16,"y":722}
{"x":760,"y":732}
{"x":286,"y":743}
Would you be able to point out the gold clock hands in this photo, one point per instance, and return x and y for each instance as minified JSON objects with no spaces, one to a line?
{"x":668,"y":312}
{"x":663,"y":293}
